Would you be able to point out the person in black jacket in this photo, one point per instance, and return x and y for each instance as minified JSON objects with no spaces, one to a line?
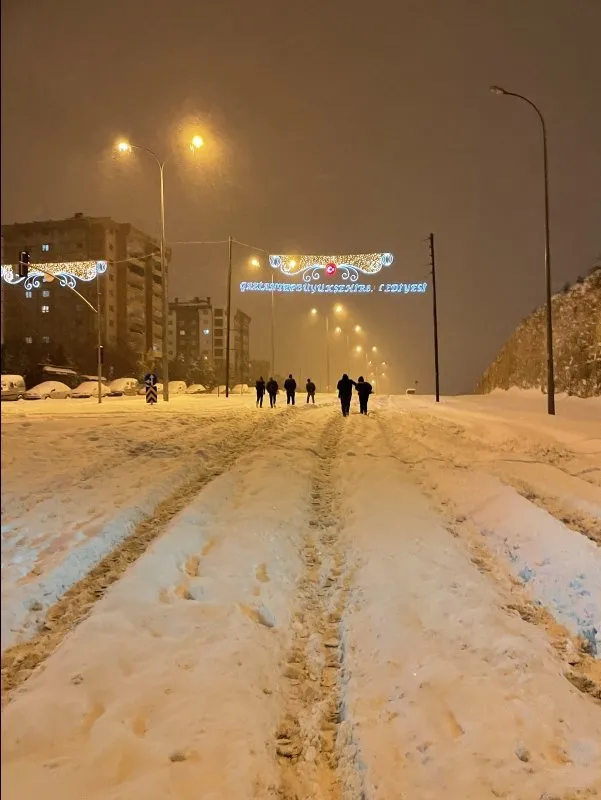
{"x":345,"y":393}
{"x":272,"y":391}
{"x":310,"y":391}
{"x":364,"y":389}
{"x":290,"y":387}
{"x":260,"y":386}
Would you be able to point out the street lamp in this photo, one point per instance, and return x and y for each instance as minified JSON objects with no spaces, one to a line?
{"x":338,"y":309}
{"x":254,"y":262}
{"x":126,"y":147}
{"x":549,"y":326}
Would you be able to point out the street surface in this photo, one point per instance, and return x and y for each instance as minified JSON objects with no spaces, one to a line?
{"x":208,"y":600}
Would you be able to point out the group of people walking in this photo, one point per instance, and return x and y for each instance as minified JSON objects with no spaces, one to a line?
{"x":345,"y":392}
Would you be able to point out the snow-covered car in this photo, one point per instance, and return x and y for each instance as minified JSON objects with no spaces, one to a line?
{"x":241,"y":388}
{"x":196,"y":388}
{"x":48,"y":390}
{"x":218,"y":389}
{"x":177,"y":387}
{"x":13,"y":387}
{"x":90,"y":389}
{"x":410,"y":391}
{"x":142,"y":389}
{"x":121,"y":386}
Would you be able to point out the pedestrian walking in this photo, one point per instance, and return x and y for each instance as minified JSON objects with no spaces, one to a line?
{"x":364,"y":389}
{"x":345,"y":393}
{"x":272,"y":390}
{"x":310,"y":391}
{"x":290,"y":387}
{"x":260,"y":387}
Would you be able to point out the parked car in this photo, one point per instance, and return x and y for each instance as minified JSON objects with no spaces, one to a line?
{"x":177,"y":387}
{"x":241,"y":388}
{"x":410,"y":391}
{"x":13,"y":387}
{"x":196,"y":388}
{"x":121,"y":386}
{"x":48,"y":390}
{"x":218,"y":389}
{"x":90,"y":389}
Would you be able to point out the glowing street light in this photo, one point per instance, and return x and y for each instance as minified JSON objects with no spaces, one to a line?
{"x":358,"y":349}
{"x":254,"y":262}
{"x":374,"y":349}
{"x":124,"y":147}
{"x":338,"y":308}
{"x":358,"y":329}
{"x":549,"y":313}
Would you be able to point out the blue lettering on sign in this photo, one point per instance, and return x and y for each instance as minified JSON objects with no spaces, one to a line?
{"x":336,"y":288}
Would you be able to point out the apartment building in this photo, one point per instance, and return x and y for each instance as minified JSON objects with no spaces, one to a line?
{"x":47,"y":313}
{"x":197,"y":330}
{"x":190,"y":329}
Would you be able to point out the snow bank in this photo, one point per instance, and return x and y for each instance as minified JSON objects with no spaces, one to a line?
{"x":446,"y":694}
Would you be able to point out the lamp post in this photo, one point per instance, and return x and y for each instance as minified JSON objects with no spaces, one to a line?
{"x":338,"y":309}
{"x":549,"y":315}
{"x":126,"y":147}
{"x":256,"y":263}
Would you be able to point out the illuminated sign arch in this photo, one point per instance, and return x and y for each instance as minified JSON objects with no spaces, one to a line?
{"x":66,"y":272}
{"x":331,"y":274}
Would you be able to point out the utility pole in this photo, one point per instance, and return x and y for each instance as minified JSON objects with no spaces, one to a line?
{"x":228,"y":316}
{"x":435,"y":316}
{"x":327,"y":354}
{"x":99,"y":335}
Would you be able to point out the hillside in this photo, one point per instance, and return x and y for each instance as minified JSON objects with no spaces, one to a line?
{"x":577,"y":340}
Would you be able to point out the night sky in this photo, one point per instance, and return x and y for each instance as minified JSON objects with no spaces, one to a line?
{"x":330,"y":127}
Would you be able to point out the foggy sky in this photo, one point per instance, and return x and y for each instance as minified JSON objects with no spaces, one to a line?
{"x":338,"y":126}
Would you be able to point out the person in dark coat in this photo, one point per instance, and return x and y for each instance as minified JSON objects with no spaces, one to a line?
{"x":310,"y":391}
{"x":364,"y":389}
{"x":290,"y":387}
{"x":345,"y":393}
{"x":272,"y":390}
{"x":260,"y":387}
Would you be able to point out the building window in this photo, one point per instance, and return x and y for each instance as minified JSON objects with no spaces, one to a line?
{"x":45,"y":309}
{"x":28,"y":294}
{"x":45,"y":248}
{"x":182,"y":333}
{"x":46,"y":339}
{"x":28,"y":340}
{"x":219,"y":353}
{"x":45,"y":293}
{"x":206,"y":331}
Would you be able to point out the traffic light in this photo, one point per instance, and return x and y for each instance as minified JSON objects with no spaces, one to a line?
{"x":23,"y":263}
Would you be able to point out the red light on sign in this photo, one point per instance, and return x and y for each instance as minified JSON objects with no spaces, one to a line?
{"x":330,"y":268}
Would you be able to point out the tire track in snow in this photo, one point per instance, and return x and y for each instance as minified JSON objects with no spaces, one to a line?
{"x":19,"y":661}
{"x":309,"y":746}
{"x":581,"y":669}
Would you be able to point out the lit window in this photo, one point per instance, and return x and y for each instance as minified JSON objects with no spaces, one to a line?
{"x":45,"y":309}
{"x":206,"y":331}
{"x":45,"y":248}
{"x":45,"y":293}
{"x":46,"y":339}
{"x":182,"y":333}
{"x":28,"y":340}
{"x":28,"y":294}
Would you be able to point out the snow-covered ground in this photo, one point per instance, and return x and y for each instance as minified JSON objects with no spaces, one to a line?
{"x":296,"y":605}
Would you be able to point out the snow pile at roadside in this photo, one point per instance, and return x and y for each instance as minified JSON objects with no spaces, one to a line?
{"x":446,"y":693}
{"x":562,"y":568}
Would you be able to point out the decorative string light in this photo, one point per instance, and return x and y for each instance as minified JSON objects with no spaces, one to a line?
{"x":313,"y":268}
{"x":66,"y":272}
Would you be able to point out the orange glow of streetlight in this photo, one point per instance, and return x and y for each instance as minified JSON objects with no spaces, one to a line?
{"x":124,"y":147}
{"x":254,"y":262}
{"x":358,"y":329}
{"x":196,"y":143}
{"x":358,"y":349}
{"x":338,"y":309}
{"x":313,"y":312}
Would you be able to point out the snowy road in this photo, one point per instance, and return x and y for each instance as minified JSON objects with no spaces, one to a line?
{"x":401,"y":606}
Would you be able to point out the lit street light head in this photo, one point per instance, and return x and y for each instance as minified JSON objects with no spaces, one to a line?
{"x":124,"y":147}
{"x":374,"y":349}
{"x":196,"y":143}
{"x":497,"y":90}
{"x":358,"y":348}
{"x":357,"y":328}
{"x":254,"y":262}
{"x":313,"y":312}
{"x":339,"y":308}
{"x":338,"y":330}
